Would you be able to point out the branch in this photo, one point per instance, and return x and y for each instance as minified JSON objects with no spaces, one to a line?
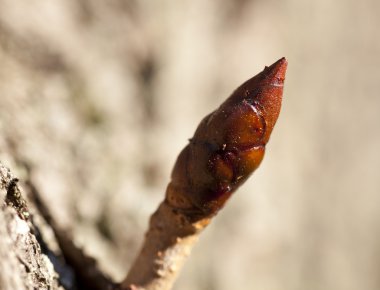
{"x":227,"y":147}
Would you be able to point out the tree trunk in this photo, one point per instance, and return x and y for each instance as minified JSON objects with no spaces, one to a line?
{"x":27,"y":260}
{"x":34,"y":252}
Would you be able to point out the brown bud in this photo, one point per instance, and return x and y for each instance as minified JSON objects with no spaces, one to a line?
{"x":228,"y":145}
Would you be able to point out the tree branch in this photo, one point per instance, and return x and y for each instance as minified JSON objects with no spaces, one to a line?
{"x":228,"y":145}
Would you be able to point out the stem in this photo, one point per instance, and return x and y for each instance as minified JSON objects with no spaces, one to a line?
{"x":168,"y":243}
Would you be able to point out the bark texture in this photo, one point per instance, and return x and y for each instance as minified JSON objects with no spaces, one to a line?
{"x":35,"y":252}
{"x":24,"y":264}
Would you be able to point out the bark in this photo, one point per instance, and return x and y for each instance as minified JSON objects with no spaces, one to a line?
{"x":35,"y":253}
{"x":26,"y":262}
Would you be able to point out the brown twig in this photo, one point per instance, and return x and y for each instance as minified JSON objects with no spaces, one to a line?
{"x":227,"y":147}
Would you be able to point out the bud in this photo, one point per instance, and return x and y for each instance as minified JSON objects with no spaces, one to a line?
{"x":228,"y":145}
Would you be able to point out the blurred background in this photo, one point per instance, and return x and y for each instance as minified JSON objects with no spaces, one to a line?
{"x":98,"y":98}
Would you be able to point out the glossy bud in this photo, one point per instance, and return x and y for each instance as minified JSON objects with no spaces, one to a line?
{"x":228,"y":145}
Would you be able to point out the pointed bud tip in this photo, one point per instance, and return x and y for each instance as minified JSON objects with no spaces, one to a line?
{"x":277,"y":70}
{"x":265,"y":89}
{"x":271,"y":96}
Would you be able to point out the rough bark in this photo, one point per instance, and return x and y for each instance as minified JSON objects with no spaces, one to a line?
{"x":35,"y":253}
{"x":26,"y":261}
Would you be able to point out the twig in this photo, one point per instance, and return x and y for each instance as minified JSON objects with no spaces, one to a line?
{"x":227,"y":147}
